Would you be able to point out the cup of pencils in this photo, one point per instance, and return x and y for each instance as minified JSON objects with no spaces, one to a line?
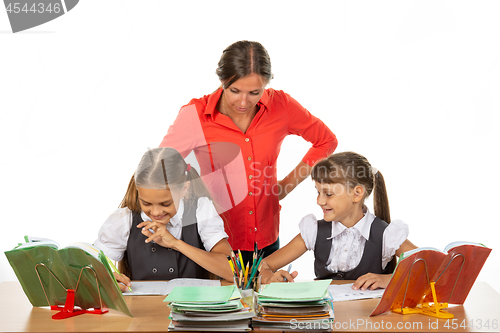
{"x":256,"y":283}
{"x":245,"y":276}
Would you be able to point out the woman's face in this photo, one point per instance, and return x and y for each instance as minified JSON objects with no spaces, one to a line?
{"x":241,"y":97}
{"x":159,"y":205}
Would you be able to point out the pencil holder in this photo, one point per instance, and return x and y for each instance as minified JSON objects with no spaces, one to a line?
{"x":255,"y":283}
{"x":248,"y":297}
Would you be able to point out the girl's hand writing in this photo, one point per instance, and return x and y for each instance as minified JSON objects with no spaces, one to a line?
{"x":160,"y":234}
{"x":268,"y":276}
{"x":283,"y":276}
{"x":372,"y":281}
{"x":123,"y":281}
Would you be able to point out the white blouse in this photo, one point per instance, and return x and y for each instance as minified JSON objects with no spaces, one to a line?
{"x":348,"y":243}
{"x":113,"y":235}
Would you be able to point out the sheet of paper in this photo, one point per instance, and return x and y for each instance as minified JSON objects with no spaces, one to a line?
{"x":147,"y":288}
{"x":344,"y":292}
{"x":165,"y":287}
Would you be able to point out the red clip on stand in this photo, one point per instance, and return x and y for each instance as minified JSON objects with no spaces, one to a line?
{"x":69,"y":308}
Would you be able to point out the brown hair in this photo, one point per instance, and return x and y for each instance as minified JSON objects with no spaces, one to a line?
{"x":131,"y":198}
{"x":241,"y":59}
{"x":352,"y":169}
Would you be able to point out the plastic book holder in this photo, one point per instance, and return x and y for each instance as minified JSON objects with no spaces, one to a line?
{"x":69,"y":306}
{"x":425,"y":308}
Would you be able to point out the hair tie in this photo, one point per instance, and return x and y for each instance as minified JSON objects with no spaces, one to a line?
{"x":374,"y":171}
{"x":188,"y":168}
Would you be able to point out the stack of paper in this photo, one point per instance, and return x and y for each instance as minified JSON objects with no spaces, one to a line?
{"x":298,"y":306}
{"x":208,"y":309}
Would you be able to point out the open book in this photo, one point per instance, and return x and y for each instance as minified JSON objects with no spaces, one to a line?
{"x":453,"y":270}
{"x":45,"y":271}
{"x":30,"y":242}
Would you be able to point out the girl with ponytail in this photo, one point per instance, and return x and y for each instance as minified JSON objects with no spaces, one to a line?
{"x":350,"y":242}
{"x":167,"y":226}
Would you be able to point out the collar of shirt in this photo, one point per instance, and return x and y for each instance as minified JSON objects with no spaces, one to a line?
{"x":213,"y":99}
{"x":175,"y":220}
{"x":362,"y":226}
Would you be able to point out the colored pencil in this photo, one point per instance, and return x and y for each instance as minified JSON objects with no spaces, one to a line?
{"x":235,"y":262}
{"x":241,"y":260}
{"x":254,"y":270}
{"x":246,"y":273}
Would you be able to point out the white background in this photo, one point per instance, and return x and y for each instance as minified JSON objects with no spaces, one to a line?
{"x":412,"y":85}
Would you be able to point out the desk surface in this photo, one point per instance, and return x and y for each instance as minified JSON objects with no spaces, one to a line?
{"x":482,"y":310}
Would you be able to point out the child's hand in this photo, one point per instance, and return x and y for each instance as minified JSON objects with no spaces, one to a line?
{"x":123,"y":281}
{"x":372,"y":281}
{"x":268,"y":276}
{"x":283,"y":276}
{"x":160,"y":234}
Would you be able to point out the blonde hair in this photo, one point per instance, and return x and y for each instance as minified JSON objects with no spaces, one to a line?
{"x":163,"y":168}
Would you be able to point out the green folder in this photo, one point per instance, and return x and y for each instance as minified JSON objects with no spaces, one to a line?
{"x":229,"y":306}
{"x":201,"y":294}
{"x":297,"y":291}
{"x":66,"y":265}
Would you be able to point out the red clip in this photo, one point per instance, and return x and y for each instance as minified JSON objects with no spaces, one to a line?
{"x":69,"y":308}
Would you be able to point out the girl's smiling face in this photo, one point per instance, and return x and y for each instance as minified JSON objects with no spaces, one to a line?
{"x":159,"y":205}
{"x":340,"y":203}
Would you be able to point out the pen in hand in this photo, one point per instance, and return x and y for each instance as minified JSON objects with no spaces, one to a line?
{"x":288,"y":270}
{"x":116,"y":270}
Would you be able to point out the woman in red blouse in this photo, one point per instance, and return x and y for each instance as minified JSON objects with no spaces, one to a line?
{"x":236,"y":134}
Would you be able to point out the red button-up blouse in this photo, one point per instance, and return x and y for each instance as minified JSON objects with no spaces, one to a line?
{"x":240,"y":168}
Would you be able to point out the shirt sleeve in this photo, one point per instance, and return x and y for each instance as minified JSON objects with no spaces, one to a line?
{"x":186,"y":133}
{"x":394,"y":235}
{"x":308,"y":227}
{"x":113,"y":234}
{"x":312,"y":129}
{"x":210,"y":224}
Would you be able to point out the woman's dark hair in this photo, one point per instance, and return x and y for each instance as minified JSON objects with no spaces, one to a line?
{"x":241,"y":59}
{"x":352,"y":169}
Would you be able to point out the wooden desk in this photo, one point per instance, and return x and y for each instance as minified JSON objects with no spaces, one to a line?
{"x":151,"y":315}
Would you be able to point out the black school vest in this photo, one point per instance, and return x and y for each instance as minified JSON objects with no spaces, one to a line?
{"x":150,"y":261}
{"x":371,"y":260}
